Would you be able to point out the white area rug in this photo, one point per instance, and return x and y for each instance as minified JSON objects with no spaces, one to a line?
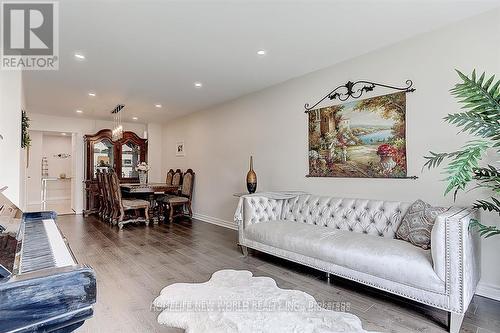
{"x":235,"y":301}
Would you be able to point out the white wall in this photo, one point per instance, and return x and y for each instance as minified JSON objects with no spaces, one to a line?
{"x":12,"y":156}
{"x":271,"y":126}
{"x":77,"y":167}
{"x":155,"y":149}
{"x":34,"y":171}
{"x":54,"y":145}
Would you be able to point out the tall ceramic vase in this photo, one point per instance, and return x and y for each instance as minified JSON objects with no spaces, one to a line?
{"x":251,"y":178}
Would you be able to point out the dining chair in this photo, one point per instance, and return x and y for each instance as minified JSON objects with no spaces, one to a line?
{"x":170,"y":175}
{"x":180,"y":203}
{"x":125,"y":205}
{"x":100,"y":194}
{"x":177,"y":180}
{"x":110,"y":211}
{"x":161,"y":198}
{"x":112,"y":206}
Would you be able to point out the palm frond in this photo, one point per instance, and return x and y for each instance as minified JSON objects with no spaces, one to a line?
{"x":488,"y":173}
{"x":484,"y":230}
{"x":476,"y":124}
{"x":460,"y":169}
{"x":435,"y":159}
{"x":488,"y":177}
{"x":491,"y":206}
{"x":480,"y":98}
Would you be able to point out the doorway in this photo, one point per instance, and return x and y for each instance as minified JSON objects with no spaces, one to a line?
{"x":49,"y":174}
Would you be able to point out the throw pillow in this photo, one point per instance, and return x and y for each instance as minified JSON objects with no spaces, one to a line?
{"x":416,"y":225}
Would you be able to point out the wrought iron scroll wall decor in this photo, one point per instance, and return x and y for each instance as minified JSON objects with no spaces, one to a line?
{"x":356,"y":90}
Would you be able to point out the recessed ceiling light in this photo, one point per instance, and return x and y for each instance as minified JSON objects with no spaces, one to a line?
{"x":157,"y":105}
{"x":79,"y":111}
{"x":63,"y":133}
{"x":261,"y":52}
{"x":198,"y":84}
{"x":92,"y":94}
{"x":79,"y":56}
{"x":134,"y":118}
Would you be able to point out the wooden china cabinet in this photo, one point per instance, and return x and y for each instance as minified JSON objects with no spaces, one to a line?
{"x":102,"y":153}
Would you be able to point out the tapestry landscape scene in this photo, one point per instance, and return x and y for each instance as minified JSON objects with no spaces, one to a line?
{"x":365,"y":138}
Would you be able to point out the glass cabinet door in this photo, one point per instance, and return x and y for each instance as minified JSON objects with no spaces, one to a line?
{"x":131,"y":156}
{"x":103,"y":155}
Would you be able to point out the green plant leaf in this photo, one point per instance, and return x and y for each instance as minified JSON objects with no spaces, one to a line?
{"x":480,"y":99}
{"x":484,"y":230}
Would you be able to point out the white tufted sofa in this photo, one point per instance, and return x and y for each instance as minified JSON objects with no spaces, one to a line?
{"x":355,"y":239}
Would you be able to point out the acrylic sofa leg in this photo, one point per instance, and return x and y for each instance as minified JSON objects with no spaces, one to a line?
{"x":455,"y":322}
{"x":244,"y":250}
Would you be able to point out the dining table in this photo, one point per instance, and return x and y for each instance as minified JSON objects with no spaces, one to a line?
{"x":148,"y":188}
{"x":150,"y":192}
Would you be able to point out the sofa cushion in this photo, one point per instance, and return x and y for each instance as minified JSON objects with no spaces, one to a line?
{"x":390,"y":259}
{"x":417,"y":224}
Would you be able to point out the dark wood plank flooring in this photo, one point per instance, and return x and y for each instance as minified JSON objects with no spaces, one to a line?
{"x":134,"y":264}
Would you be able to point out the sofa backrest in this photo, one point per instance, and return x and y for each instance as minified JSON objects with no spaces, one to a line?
{"x":373,"y":217}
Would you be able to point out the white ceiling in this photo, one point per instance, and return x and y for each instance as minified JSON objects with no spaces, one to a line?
{"x":140,"y":53}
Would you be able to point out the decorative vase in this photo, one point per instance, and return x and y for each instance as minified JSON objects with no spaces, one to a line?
{"x":387,"y":163}
{"x":251,"y":178}
{"x":143,"y":177}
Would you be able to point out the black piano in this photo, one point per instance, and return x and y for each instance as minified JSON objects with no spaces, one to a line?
{"x":47,"y":290}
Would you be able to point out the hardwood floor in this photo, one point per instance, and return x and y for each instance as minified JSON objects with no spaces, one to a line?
{"x":134,"y":264}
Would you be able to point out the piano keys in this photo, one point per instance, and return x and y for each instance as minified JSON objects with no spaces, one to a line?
{"x":48,"y":290}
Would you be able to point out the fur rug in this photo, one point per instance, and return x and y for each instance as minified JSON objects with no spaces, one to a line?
{"x":235,"y":301}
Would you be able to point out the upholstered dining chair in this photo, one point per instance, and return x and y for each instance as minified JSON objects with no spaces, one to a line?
{"x":182,"y":202}
{"x":100,"y":194}
{"x":110,"y":211}
{"x":161,"y":199}
{"x":177,"y":180}
{"x":170,"y":175}
{"x":124,"y":205}
{"x":105,"y":206}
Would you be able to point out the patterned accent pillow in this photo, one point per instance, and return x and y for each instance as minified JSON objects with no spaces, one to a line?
{"x":416,"y":225}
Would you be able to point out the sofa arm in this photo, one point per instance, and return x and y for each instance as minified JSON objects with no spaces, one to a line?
{"x":261,"y":209}
{"x":456,"y":254}
{"x":255,"y":209}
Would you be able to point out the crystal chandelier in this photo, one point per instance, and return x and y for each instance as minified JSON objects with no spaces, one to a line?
{"x":117,"y":132}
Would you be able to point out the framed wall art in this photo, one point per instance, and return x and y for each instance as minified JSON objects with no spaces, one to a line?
{"x":361,"y":138}
{"x":180,"y":149}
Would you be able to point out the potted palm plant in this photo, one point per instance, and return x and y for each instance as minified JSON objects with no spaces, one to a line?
{"x":481,"y":118}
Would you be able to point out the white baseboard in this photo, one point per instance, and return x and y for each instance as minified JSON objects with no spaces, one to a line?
{"x":488,"y":290}
{"x":215,"y":220}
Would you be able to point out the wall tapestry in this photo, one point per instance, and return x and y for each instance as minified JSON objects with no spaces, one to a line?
{"x":363,"y":138}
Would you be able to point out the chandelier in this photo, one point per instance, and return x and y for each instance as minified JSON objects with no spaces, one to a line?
{"x":117,"y":132}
